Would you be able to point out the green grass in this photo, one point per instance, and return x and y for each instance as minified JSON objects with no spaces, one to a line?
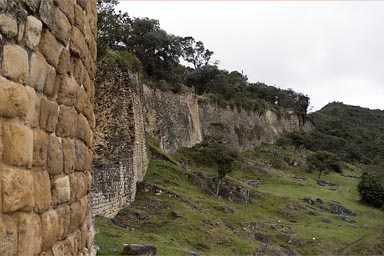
{"x":184,"y":217}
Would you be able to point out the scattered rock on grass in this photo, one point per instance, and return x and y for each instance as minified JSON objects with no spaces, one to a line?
{"x":325,"y":220}
{"x":139,"y":249}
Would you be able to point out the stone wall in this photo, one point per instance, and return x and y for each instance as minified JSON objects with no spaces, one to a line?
{"x":121,"y":155}
{"x":172,"y":118}
{"x":47,"y":55}
{"x":180,"y":120}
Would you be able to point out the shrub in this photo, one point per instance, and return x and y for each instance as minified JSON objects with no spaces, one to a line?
{"x":371,"y":189}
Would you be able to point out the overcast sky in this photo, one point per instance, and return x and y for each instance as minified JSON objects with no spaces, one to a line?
{"x":330,"y":51}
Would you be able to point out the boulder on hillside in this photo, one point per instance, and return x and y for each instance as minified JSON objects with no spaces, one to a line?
{"x":139,"y":249}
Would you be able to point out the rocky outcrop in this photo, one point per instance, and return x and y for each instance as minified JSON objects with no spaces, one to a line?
{"x":47,"y":54}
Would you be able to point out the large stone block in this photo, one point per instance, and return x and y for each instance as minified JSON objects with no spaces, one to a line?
{"x":67,"y":7}
{"x":79,"y":186}
{"x":46,"y":12}
{"x":79,"y":212}
{"x":18,"y":141}
{"x":13,"y":98}
{"x":83,"y":130}
{"x":33,"y":29}
{"x":16,"y":70}
{"x":61,"y":190}
{"x":78,"y":70}
{"x":78,"y":45}
{"x":8,"y":235}
{"x":69,"y":155}
{"x":68,"y":90}
{"x":40,"y":145}
{"x":73,"y":243}
{"x":64,"y":66}
{"x":51,"y":87}
{"x":61,"y":27}
{"x":29,"y":236}
{"x":17,"y":189}
{"x":50,"y":228}
{"x":42,"y":185}
{"x":54,"y":156}
{"x":66,"y":126}
{"x":37,"y":71}
{"x":49,"y":113}
{"x":50,"y":47}
{"x":83,"y":105}
{"x":64,"y":214}
{"x":79,"y":18}
{"x":32,"y":105}
{"x":8,"y":25}
{"x":80,"y":155}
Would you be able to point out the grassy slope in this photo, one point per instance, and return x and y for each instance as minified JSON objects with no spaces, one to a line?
{"x":186,"y":218}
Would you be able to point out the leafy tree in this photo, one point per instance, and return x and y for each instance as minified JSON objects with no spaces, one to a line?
{"x":195,"y":52}
{"x":371,"y":189}
{"x":223,"y":156}
{"x":323,"y":161}
{"x":112,"y":27}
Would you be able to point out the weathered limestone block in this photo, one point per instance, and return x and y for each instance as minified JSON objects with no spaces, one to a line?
{"x":8,"y":25}
{"x":83,"y":105}
{"x":32,"y":104}
{"x":37,"y":72}
{"x":29,"y":236}
{"x":13,"y":98}
{"x":79,"y":186}
{"x":46,"y":12}
{"x":78,"y":45}
{"x":79,"y":212}
{"x":17,"y":189}
{"x":47,"y":253}
{"x":74,"y":242}
{"x":80,"y":155}
{"x":64,"y":215}
{"x":42,"y":185}
{"x":33,"y":29}
{"x":78,"y":70}
{"x":54,"y":156}
{"x":67,"y":7}
{"x":68,"y":90}
{"x":69,"y":155}
{"x":88,"y":85}
{"x":61,"y":27}
{"x":79,"y":18}
{"x":51,"y":87}
{"x":49,"y":113}
{"x":61,"y":248}
{"x":64,"y":66}
{"x":8,"y":235}
{"x":19,"y":144}
{"x":16,"y":70}
{"x":50,"y":228}
{"x":50,"y":47}
{"x":61,"y":190}
{"x":83,"y":130}
{"x":40,"y":145}
{"x":66,"y":126}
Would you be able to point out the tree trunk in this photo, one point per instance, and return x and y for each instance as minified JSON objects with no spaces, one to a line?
{"x":319,"y":174}
{"x":219,"y":181}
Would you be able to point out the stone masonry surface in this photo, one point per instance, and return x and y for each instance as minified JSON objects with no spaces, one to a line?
{"x":46,"y":126}
{"x":128,"y":112}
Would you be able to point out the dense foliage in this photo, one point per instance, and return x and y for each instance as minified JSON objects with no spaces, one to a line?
{"x":159,"y":53}
{"x":371,"y":189}
{"x":355,"y":134}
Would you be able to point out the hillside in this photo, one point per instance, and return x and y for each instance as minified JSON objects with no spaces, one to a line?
{"x":354,"y":133}
{"x":270,"y":204}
